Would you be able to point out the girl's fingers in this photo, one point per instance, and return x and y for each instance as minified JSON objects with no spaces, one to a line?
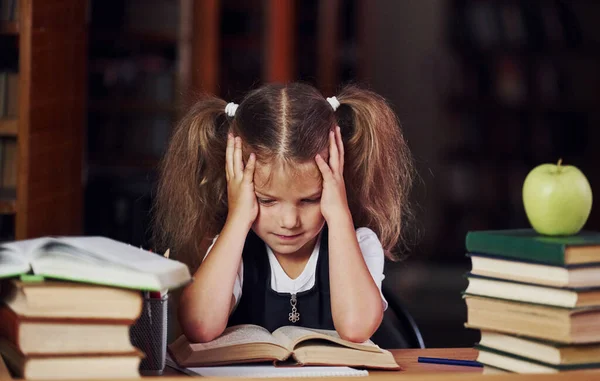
{"x":323,"y":167}
{"x":334,"y":158}
{"x":249,"y":170}
{"x":229,"y":157}
{"x":340,"y":147}
{"x":238,"y":164}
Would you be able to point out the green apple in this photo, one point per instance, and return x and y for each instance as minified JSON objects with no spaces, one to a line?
{"x":557,"y":199}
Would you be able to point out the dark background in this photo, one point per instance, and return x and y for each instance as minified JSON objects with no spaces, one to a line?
{"x":485,"y":91}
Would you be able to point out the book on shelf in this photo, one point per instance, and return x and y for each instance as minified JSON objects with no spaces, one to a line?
{"x":578,"y":276}
{"x":530,"y":293}
{"x":557,"y":324}
{"x":96,"y":260}
{"x":3,"y":92}
{"x":8,"y":166}
{"x":545,"y":351}
{"x":11,"y":96}
{"x":69,"y":366}
{"x":286,"y":346}
{"x":9,"y":10}
{"x":527,"y":245}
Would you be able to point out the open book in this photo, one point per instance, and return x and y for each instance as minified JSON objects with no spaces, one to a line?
{"x":267,"y":371}
{"x":286,"y":346}
{"x":96,"y":260}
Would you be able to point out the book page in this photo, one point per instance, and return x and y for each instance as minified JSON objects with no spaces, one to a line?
{"x":270,"y":371}
{"x":289,"y":336}
{"x":236,"y":335}
{"x":120,"y":253}
{"x":266,"y":371}
{"x":13,"y":263}
{"x":111,"y":253}
{"x":25,"y":249}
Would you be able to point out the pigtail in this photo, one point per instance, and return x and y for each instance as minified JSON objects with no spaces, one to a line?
{"x":378,"y":166}
{"x":191,"y":200}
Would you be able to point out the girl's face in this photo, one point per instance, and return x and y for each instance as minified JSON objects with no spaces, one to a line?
{"x":289,"y":217}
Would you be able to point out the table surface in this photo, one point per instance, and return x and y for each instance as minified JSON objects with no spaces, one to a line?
{"x":407,"y":359}
{"x":413,"y":370}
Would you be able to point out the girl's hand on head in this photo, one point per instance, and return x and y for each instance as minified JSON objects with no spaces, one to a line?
{"x":334,"y":202}
{"x":241,"y":199}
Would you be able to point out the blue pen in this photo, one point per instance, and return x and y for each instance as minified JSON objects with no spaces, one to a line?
{"x":433,"y":360}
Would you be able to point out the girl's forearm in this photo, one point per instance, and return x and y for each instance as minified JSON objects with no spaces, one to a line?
{"x":206,"y":303}
{"x":355,"y":299}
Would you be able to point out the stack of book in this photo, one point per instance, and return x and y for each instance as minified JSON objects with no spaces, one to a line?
{"x":535,"y":299}
{"x":60,"y":330}
{"x":77,"y":326}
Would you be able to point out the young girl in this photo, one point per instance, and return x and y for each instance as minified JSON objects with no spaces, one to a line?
{"x":304,"y":197}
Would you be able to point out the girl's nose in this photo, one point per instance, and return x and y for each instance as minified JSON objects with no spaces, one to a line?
{"x":290,"y":218}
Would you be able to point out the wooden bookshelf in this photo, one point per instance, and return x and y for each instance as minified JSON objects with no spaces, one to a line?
{"x":205,"y":49}
{"x":126,"y":106}
{"x":279,"y":48}
{"x":119,"y":160}
{"x":558,"y":52}
{"x":9,"y":28}
{"x":495,"y":106}
{"x":221,"y":47}
{"x":8,"y":206}
{"x":8,"y":127}
{"x":133,"y":36}
{"x":521,"y":92}
{"x":49,"y":128}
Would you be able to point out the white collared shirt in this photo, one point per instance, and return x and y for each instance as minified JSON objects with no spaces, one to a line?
{"x":370,"y":247}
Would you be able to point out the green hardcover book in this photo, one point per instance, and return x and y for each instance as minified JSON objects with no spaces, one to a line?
{"x":527,"y":245}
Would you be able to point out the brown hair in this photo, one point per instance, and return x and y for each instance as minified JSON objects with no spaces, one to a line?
{"x":290,"y":123}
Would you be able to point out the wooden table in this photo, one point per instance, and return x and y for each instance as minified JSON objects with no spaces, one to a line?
{"x":413,"y":370}
{"x":407,"y":359}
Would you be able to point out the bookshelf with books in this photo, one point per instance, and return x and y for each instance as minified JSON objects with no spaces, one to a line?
{"x":520,"y":90}
{"x":241,"y":45}
{"x":41,"y":117}
{"x":143,"y":73}
{"x":138,"y":69}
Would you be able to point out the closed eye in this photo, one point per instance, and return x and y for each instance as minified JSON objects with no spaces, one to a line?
{"x":265,"y":201}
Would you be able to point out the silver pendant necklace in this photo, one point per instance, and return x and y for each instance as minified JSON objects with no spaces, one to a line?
{"x":294,"y":316}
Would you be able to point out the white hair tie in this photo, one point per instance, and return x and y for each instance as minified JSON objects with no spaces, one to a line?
{"x":231,"y":108}
{"x":333,"y":101}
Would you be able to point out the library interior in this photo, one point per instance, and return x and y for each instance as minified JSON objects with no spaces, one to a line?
{"x":485,"y":91}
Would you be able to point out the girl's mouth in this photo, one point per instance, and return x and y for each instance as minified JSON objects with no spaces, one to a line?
{"x":287,"y":237}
